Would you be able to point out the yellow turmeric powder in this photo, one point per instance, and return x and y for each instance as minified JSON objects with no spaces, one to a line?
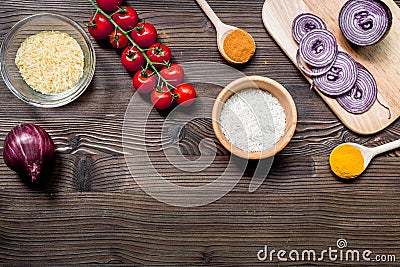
{"x":239,"y":46}
{"x":347,"y":161}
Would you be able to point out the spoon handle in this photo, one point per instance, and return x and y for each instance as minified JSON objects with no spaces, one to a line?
{"x":210,"y":13}
{"x":386,"y":147}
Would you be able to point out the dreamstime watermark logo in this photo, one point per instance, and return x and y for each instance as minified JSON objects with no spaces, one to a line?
{"x":340,"y":253}
{"x":142,"y":150}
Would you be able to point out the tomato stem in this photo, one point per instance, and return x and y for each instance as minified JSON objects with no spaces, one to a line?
{"x":140,"y":28}
{"x":116,"y":12}
{"x":168,"y":65}
{"x":149,"y":62}
{"x":122,"y":10}
{"x":92,"y":22}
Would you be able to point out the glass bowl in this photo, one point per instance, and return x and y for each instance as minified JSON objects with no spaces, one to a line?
{"x":33,"y":25}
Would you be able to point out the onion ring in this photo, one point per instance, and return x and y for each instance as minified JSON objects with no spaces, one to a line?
{"x":340,"y":78}
{"x":312,"y":72}
{"x":318,"y":48}
{"x":362,"y":96}
{"x":305,"y":23}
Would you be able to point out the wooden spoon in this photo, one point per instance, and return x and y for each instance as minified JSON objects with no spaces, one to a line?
{"x":369,"y":153}
{"x":222,"y":30}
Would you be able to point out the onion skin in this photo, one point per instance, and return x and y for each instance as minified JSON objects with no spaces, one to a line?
{"x":305,"y":23}
{"x":365,"y":22}
{"x":28,"y":149}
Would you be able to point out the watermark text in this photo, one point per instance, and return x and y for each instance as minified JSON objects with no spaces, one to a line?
{"x":339,"y":253}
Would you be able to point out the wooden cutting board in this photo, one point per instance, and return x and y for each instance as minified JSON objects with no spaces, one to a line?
{"x":382,"y":59}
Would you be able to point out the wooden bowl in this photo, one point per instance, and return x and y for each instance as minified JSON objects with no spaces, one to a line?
{"x":275,"y":89}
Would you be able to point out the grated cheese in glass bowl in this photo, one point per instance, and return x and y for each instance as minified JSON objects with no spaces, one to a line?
{"x":47,"y":60}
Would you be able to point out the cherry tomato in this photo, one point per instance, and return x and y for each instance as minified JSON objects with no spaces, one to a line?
{"x":100,"y":27}
{"x":118,"y":39}
{"x":109,"y":5}
{"x":161,"y":99}
{"x":144,"y":34}
{"x":132,"y":59}
{"x":126,"y":18}
{"x":159,"y":53}
{"x":185,"y":94}
{"x":144,"y":81}
{"x":173,"y":73}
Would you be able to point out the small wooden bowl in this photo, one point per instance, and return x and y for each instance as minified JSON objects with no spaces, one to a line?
{"x":275,"y":89}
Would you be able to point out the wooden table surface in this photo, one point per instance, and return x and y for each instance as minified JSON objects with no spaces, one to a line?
{"x":91,"y":210}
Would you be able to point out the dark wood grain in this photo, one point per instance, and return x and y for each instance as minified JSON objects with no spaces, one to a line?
{"x":91,"y":210}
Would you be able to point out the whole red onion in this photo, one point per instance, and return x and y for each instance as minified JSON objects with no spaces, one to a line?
{"x":27,"y":148}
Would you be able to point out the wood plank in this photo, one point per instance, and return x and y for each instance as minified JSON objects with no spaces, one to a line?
{"x":378,"y":59}
{"x":128,"y":226}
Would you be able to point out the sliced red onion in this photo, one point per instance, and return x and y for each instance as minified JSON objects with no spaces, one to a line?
{"x":362,"y":96}
{"x":305,"y":23}
{"x":340,"y":78}
{"x":365,"y":22}
{"x":318,"y":48}
{"x":312,"y":72}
